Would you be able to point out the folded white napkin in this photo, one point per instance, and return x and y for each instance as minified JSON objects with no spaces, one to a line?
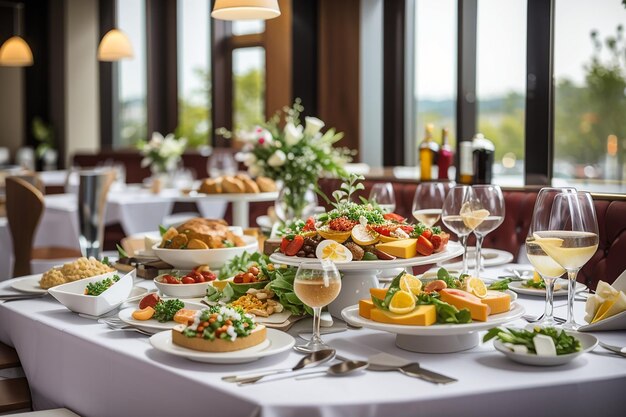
{"x":605,"y":303}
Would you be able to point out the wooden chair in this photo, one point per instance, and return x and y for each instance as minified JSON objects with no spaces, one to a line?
{"x":24,"y":207}
{"x":14,"y":392}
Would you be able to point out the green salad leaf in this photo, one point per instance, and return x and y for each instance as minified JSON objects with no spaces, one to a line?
{"x":98,"y":287}
{"x":446,"y":313}
{"x":563,"y":342}
{"x":500,"y":285}
{"x":165,"y":310}
{"x":531,"y":283}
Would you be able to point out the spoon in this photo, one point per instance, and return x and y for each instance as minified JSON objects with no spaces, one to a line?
{"x":338,"y":369}
{"x":616,"y":349}
{"x":309,"y":361}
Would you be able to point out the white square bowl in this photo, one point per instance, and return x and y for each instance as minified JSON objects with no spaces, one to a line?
{"x":72,"y":295}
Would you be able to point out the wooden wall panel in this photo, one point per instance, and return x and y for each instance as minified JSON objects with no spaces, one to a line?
{"x":338,"y":71}
{"x":277,"y":39}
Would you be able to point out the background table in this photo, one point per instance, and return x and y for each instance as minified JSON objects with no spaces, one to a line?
{"x":77,"y":363}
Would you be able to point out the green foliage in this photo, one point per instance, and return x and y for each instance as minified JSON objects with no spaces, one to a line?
{"x":165,"y":310}
{"x":44,"y":134}
{"x":563,"y":342}
{"x":249,"y":107}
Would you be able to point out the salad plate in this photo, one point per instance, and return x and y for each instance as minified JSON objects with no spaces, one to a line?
{"x":29,"y":284}
{"x":437,"y":338}
{"x":519,"y":288}
{"x":276,"y":342}
{"x":588,"y":343}
{"x":152,"y":325}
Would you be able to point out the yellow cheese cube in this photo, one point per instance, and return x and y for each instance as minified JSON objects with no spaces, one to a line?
{"x":497,"y":301}
{"x":423,"y":315}
{"x":405,"y":248}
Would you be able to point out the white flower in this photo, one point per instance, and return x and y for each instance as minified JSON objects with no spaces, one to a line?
{"x":249,"y":159}
{"x":156,"y":140}
{"x":277,"y":159}
{"x":313,"y":126}
{"x":293,"y":134}
{"x":255,"y":170}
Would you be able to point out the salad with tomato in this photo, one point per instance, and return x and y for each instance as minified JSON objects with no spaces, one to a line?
{"x":197,"y":275}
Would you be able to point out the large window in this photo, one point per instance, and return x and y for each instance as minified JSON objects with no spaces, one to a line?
{"x":248,"y":87}
{"x":131,"y":117}
{"x":501,"y":84}
{"x":194,"y":71}
{"x":435,"y":67}
{"x":590,"y":101}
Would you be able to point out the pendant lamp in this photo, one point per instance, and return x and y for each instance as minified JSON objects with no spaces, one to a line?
{"x":114,"y":46}
{"x":245,"y":9}
{"x":15,"y":52}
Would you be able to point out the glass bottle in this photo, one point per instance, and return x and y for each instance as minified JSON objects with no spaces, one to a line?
{"x":445,"y":158}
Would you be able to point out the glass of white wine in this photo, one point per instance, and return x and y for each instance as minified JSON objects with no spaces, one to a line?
{"x":427,"y":202}
{"x":317,"y":284}
{"x":458,"y":197}
{"x":487,"y":217}
{"x":383,"y":195}
{"x":546,"y":267}
{"x":571,"y":239}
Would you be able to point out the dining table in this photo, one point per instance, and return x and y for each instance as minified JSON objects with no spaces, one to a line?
{"x":78,"y":363}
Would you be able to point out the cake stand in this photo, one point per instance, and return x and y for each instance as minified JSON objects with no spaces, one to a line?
{"x":438,"y":338}
{"x":360,"y":276}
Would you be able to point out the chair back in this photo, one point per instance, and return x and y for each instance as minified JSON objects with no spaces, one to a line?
{"x":33,"y":179}
{"x":24,"y":206}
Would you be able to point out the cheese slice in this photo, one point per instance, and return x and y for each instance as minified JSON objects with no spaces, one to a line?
{"x":423,"y":315}
{"x":498,"y":302}
{"x":462,"y":299}
{"x":379,"y":293}
{"x":544,"y":345}
{"x":405,"y":248}
{"x":365,"y":308}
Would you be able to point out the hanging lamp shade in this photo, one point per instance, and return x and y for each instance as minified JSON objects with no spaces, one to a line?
{"x":114,"y":46}
{"x":15,"y":52}
{"x":245,"y":9}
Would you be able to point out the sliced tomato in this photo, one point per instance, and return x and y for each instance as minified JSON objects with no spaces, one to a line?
{"x":424,"y":246}
{"x":440,"y":241}
{"x":394,"y":217}
{"x":283,"y":244}
{"x":383,"y":230}
{"x":407,"y":228}
{"x":427,"y":233}
{"x":294,"y":246}
{"x":309,"y":225}
{"x":149,"y":300}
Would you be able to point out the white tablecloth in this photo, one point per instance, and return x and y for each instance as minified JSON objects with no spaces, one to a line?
{"x":77,"y":363}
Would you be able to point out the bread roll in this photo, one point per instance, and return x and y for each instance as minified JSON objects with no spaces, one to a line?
{"x":232,"y":185}
{"x":250,"y":186}
{"x":210,"y":186}
{"x":258,"y":336}
{"x":266,"y":185}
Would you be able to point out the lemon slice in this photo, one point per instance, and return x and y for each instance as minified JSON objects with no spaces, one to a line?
{"x":402,"y":302}
{"x":476,"y":286}
{"x":474,"y":218}
{"x":548,"y":241}
{"x":410,"y":283}
{"x":362,"y":236}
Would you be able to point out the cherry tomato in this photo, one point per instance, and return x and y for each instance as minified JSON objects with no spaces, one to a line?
{"x":394,"y":217}
{"x":208,"y":276}
{"x":254,"y":270}
{"x":424,"y":246}
{"x":238,"y":278}
{"x":170,"y":279}
{"x":248,"y":277}
{"x":309,"y":225}
{"x":199,"y":278}
{"x":283,"y":244}
{"x":294,"y":246}
{"x":188,"y":280}
{"x":427,"y":233}
{"x":149,"y":300}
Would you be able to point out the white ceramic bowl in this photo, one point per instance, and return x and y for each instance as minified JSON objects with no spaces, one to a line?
{"x":214,"y":258}
{"x":182,"y":290}
{"x":72,"y":295}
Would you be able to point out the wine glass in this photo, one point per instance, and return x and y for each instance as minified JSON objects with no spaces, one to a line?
{"x":316,"y":284}
{"x":383,"y":195}
{"x":488,"y":217}
{"x":427,"y":202}
{"x":458,"y":197}
{"x":221,"y":163}
{"x":546,"y":267}
{"x":571,"y":239}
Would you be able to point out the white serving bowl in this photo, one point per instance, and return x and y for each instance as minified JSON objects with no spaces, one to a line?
{"x":214,"y":258}
{"x":182,"y":290}
{"x":72,"y":295}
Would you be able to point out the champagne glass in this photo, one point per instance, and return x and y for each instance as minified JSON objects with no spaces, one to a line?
{"x":383,"y":195}
{"x":488,"y":217}
{"x":571,"y":239}
{"x":546,"y":267}
{"x":458,"y":197}
{"x":427,"y":202}
{"x":316,"y":284}
{"x":221,"y":163}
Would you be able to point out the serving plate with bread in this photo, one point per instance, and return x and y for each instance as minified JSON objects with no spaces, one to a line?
{"x":237,"y":184}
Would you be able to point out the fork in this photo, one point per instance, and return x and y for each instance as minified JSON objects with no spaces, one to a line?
{"x":532,"y":319}
{"x":127,"y":327}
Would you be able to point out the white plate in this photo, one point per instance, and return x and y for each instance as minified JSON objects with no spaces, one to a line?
{"x":214,"y":258}
{"x":452,"y":250}
{"x":29,"y":283}
{"x":351,"y":315}
{"x":588,"y":343}
{"x":562,"y":292}
{"x":491,"y":257}
{"x":275,"y":343}
{"x":153,"y":325}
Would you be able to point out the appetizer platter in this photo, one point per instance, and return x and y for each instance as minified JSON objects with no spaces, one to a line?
{"x":541,"y":346}
{"x":362,"y":240}
{"x":154,"y":314}
{"x":443,"y":316}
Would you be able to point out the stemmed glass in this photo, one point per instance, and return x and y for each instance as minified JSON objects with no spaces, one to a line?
{"x":546,"y":267}
{"x":458,"y":198}
{"x":383,"y":195}
{"x":488,"y":217}
{"x":316,"y":284}
{"x":427,"y":202}
{"x":571,"y":239}
{"x":221,"y":163}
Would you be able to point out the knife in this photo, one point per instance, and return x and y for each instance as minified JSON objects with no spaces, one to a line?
{"x":415,"y":370}
{"x":386,"y":362}
{"x":14,"y":297}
